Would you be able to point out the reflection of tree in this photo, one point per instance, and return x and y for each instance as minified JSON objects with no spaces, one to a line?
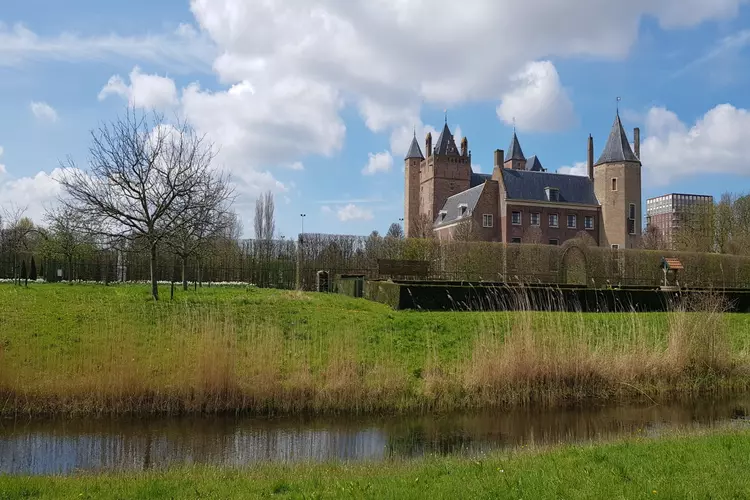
{"x":533,"y":235}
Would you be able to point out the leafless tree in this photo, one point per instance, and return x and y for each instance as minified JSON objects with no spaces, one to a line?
{"x":16,"y":234}
{"x":143,"y":176}
{"x":265,"y":222}
{"x":421,"y":228}
{"x":207,"y":217}
{"x":68,"y":237}
{"x":653,"y":239}
{"x":465,"y":231}
{"x":395,"y":231}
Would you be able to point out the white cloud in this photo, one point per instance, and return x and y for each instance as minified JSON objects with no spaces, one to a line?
{"x":3,"y":171}
{"x":184,"y":50}
{"x":537,"y":102}
{"x":578,"y":168}
{"x":380,"y":162}
{"x":44,"y":111}
{"x":352,"y":212}
{"x":718,"y":142}
{"x":297,"y":165}
{"x":378,"y":55}
{"x":35,"y":193}
{"x":144,"y":91}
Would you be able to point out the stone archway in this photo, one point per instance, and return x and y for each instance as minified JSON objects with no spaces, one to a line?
{"x":574,"y":266}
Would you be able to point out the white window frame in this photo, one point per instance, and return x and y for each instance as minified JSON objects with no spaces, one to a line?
{"x":575,"y":221}
{"x":557,"y":219}
{"x":586,"y":226}
{"x":538,"y":219}
{"x":615,"y":246}
{"x":488,"y":220}
{"x":513,"y":218}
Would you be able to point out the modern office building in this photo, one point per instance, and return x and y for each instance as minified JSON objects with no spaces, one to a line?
{"x":670,"y":212}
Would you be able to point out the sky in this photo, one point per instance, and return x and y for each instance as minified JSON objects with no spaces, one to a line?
{"x":317,"y":100}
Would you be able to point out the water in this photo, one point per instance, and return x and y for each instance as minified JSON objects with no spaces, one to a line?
{"x":64,"y":447}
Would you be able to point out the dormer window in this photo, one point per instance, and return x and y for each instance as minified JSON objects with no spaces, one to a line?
{"x":443,"y":213}
{"x":462,"y":208}
{"x":553,"y":194}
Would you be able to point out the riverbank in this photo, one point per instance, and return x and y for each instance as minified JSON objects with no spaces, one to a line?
{"x":707,"y":466}
{"x":95,"y":350}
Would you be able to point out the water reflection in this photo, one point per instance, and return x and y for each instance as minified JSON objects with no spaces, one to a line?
{"x":61,"y":447}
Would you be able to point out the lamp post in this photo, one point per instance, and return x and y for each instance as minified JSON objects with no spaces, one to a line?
{"x":299,"y":254}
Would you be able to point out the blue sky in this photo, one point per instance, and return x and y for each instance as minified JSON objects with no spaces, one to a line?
{"x":299,"y":96}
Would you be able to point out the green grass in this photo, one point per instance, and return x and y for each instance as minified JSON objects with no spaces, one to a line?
{"x":93,"y":349}
{"x":707,"y":466}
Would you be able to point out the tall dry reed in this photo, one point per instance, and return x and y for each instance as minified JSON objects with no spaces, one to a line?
{"x":215,"y":360}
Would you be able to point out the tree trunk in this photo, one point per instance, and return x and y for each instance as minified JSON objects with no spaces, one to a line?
{"x":154,"y":284}
{"x":184,"y":274}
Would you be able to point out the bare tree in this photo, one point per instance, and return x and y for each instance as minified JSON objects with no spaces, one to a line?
{"x":265,"y":222}
{"x":422,"y":228}
{"x":653,"y":239}
{"x":68,"y":237}
{"x":143,"y":176}
{"x":465,"y":231}
{"x":395,"y":231}
{"x":203,"y":220}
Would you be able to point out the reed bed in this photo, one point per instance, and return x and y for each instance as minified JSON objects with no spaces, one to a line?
{"x":139,"y":358}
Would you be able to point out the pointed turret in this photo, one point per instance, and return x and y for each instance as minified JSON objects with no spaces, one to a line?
{"x":445,"y":145}
{"x":617,"y":149}
{"x":514,"y":151}
{"x":414,"y":150}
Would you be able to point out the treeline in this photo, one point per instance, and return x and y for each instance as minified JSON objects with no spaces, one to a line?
{"x":722,"y":227}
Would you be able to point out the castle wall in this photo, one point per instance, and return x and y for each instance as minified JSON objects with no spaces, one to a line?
{"x":615,"y":203}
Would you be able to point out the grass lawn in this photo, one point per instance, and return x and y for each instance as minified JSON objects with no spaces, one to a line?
{"x":708,"y":466}
{"x":91,"y":348}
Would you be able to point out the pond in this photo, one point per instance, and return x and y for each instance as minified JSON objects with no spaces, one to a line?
{"x":64,"y":447}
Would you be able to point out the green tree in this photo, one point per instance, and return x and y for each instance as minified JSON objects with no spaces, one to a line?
{"x":32,"y":272}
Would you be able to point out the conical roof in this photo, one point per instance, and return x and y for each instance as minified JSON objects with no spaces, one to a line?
{"x":617,"y":148}
{"x":534,"y":165}
{"x":514,"y":151}
{"x":414,"y":150}
{"x":445,"y":144}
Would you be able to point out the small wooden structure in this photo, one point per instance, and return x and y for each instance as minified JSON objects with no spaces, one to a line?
{"x":403,"y":269}
{"x":671,"y":265}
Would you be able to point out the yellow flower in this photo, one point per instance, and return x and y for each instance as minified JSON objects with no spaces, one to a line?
{"x":654,"y":492}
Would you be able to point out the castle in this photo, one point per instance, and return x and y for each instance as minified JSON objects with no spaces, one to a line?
{"x":521,"y":202}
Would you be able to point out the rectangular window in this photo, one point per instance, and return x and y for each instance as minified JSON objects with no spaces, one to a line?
{"x":615,"y":247}
{"x":554,"y":242}
{"x":535,"y":219}
{"x":554,"y":220}
{"x":588,"y":222}
{"x":572,"y":221}
{"x":631,"y":211}
{"x":516,"y":218}
{"x":614,"y":184}
{"x":516,"y":240}
{"x":631,"y":226}
{"x":487,"y":220}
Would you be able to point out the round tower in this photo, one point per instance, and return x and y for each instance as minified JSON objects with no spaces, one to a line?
{"x":617,"y":184}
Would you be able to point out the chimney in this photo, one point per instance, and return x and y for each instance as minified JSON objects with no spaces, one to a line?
{"x":637,"y":140}
{"x":591,"y":157}
{"x":428,"y":144}
{"x":498,"y":158}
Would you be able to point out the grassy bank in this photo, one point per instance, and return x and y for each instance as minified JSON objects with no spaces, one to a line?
{"x":96,"y":350}
{"x":708,"y":466}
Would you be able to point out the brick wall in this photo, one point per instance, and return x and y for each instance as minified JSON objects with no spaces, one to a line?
{"x":562,"y":233}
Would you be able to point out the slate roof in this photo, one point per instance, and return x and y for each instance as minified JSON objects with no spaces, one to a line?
{"x":528,"y":185}
{"x":470,"y":197}
{"x":414,"y":150}
{"x":477,"y":179}
{"x":533,"y":164}
{"x":617,"y":148}
{"x":445,"y":144}
{"x":514,"y":150}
